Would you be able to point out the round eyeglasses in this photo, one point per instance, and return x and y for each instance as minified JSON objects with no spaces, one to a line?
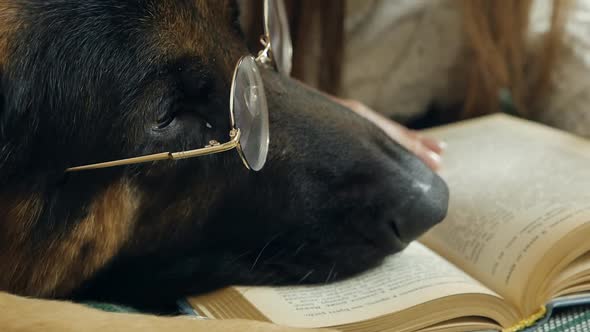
{"x":249,"y":132}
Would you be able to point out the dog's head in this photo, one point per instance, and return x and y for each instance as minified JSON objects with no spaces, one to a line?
{"x":84,"y":81}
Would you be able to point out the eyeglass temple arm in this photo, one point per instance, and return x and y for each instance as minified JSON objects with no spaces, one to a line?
{"x":210,"y":149}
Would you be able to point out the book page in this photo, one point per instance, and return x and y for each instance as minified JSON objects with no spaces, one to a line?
{"x":415,"y":276}
{"x":516,"y":189}
{"x":575,"y":275}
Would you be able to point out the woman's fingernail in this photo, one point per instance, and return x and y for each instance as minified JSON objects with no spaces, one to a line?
{"x":435,"y":158}
{"x":442,"y":145}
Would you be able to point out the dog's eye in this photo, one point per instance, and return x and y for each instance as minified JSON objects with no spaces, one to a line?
{"x":164,"y":120}
{"x":166,"y":114}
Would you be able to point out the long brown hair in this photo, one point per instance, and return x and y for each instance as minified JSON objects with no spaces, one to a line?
{"x":497,"y":53}
{"x":495,"y":39}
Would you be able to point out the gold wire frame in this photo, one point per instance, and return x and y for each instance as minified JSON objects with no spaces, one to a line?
{"x":263,"y":58}
{"x":213,"y":148}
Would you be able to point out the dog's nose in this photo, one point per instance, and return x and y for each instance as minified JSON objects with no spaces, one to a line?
{"x":425,"y":206}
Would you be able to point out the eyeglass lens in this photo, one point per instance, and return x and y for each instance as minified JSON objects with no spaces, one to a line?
{"x":251,"y":113}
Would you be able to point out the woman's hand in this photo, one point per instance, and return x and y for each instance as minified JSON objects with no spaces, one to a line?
{"x":427,"y":149}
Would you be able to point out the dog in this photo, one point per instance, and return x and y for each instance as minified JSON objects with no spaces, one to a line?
{"x":84,"y":81}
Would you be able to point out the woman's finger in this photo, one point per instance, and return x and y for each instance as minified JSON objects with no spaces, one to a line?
{"x":428,"y":156}
{"x":433,"y":144}
{"x":427,"y":149}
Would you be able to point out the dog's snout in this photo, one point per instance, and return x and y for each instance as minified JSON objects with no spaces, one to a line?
{"x":424,"y":207}
{"x":357,"y":182}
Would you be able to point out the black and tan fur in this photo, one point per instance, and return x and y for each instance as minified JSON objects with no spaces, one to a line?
{"x":85,"y":81}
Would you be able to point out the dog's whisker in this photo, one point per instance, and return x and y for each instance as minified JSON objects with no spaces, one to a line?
{"x":330,"y":273}
{"x":301,"y":246}
{"x":262,"y":251}
{"x":334,"y":275}
{"x":305,"y":277}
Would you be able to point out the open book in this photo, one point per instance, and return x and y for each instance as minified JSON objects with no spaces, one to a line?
{"x":516,"y":242}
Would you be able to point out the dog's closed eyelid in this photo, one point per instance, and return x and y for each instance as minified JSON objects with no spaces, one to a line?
{"x":164,"y":119}
{"x":166,"y":107}
{"x":177,"y":109}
